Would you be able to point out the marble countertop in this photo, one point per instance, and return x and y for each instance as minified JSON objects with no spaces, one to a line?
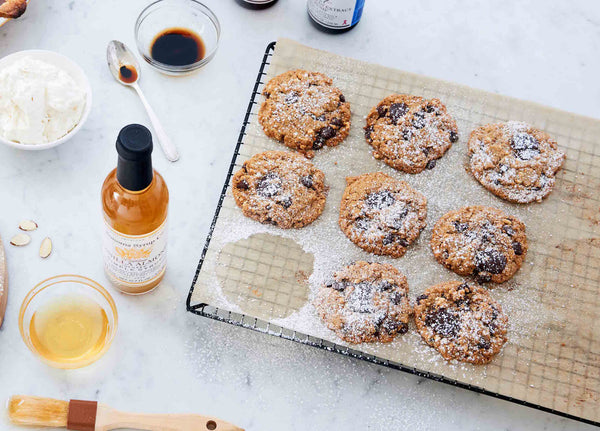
{"x":167,"y":360}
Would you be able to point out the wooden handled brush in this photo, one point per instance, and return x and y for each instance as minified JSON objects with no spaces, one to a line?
{"x":92,"y":416}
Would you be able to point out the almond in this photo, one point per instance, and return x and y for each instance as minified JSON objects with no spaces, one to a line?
{"x":46,"y":248}
{"x":20,"y":239}
{"x":28,"y":225}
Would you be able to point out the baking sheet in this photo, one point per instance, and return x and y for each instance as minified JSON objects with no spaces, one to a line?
{"x":552,"y":358}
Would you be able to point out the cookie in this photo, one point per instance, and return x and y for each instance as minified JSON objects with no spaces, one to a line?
{"x":305,"y":111}
{"x":280,"y":188}
{"x":381,"y":214}
{"x":515,"y":161}
{"x":480,"y":241}
{"x":410,"y":133}
{"x":365,"y":302}
{"x":461,"y":321}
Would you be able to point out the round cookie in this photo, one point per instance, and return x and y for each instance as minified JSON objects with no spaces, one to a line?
{"x":410,"y":133}
{"x":280,"y":188}
{"x":381,"y":214}
{"x":304,"y":111}
{"x":480,"y":241}
{"x":515,"y":161}
{"x":365,"y":302}
{"x":461,"y":321}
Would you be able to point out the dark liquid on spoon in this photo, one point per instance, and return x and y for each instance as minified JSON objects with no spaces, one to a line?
{"x":177,"y":47}
{"x":128,"y":74}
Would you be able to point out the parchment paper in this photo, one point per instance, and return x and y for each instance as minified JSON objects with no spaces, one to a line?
{"x":552,"y":357}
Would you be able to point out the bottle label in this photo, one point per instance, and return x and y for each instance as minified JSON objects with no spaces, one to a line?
{"x":336,"y":14}
{"x":133,"y":260}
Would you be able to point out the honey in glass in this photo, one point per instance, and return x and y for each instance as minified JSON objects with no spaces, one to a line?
{"x":69,"y":328}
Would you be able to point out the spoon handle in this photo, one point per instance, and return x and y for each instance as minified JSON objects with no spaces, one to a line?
{"x":165,"y":142}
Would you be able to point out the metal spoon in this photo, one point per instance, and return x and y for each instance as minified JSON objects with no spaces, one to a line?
{"x":118,"y":55}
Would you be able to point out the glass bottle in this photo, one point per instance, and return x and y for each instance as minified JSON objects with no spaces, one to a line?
{"x":135,"y":201}
{"x":335,"y":16}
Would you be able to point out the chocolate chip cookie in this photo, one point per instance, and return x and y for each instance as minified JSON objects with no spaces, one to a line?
{"x":515,"y":161}
{"x":480,"y":241}
{"x":280,"y":188}
{"x":365,"y":302}
{"x":410,"y":133}
{"x":305,"y":111}
{"x":461,"y":321}
{"x":381,"y":214}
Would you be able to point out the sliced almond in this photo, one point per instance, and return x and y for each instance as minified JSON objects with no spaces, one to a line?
{"x":46,"y":247}
{"x":28,"y":225}
{"x":20,"y":239}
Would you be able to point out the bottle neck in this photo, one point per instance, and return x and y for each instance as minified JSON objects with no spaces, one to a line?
{"x":135,"y":175}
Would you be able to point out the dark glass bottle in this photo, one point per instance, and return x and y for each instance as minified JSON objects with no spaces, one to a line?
{"x":335,"y":16}
{"x":256,"y":4}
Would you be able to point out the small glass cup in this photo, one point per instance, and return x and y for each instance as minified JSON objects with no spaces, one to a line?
{"x":61,"y":286}
{"x":164,"y":14}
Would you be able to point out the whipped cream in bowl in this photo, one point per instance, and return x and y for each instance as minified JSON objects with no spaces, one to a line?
{"x":45,"y":99}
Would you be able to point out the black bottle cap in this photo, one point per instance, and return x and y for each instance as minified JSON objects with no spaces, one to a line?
{"x":134,"y":168}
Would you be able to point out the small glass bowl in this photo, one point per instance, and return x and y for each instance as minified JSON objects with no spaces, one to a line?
{"x":164,"y":14}
{"x":59,"y":286}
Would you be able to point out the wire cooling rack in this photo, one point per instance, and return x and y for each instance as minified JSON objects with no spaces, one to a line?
{"x":557,"y":369}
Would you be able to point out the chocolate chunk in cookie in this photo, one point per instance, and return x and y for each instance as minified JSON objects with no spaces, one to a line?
{"x":480,"y":241}
{"x":381,"y":214}
{"x":515,"y":161}
{"x":280,"y":188}
{"x":410,"y":133}
{"x":365,"y":302}
{"x":305,"y":111}
{"x":461,"y":321}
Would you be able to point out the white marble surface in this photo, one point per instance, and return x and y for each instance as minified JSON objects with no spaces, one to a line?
{"x":165,"y":359}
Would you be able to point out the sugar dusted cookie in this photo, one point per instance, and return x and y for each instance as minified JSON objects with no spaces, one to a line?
{"x":515,"y":161}
{"x":410,"y":133}
{"x":280,"y":188}
{"x":461,"y":321}
{"x":480,"y":241}
{"x":381,"y":214}
{"x":305,"y":111}
{"x":365,"y":302}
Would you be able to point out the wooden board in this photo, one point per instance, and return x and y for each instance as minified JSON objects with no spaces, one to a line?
{"x":3,"y":283}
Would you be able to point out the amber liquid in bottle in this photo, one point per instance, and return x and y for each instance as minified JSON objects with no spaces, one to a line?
{"x":135,"y":202}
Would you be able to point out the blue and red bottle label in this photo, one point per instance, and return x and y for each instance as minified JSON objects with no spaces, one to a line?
{"x":336,"y":14}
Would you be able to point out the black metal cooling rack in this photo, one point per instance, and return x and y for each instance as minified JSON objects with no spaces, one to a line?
{"x":253,"y":323}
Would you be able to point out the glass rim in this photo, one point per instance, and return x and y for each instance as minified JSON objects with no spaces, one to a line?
{"x":82,"y":281}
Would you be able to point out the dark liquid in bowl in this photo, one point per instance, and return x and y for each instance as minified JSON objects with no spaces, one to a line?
{"x":177,"y":47}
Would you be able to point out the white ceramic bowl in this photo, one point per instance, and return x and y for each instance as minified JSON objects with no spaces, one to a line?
{"x":74,"y":71}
